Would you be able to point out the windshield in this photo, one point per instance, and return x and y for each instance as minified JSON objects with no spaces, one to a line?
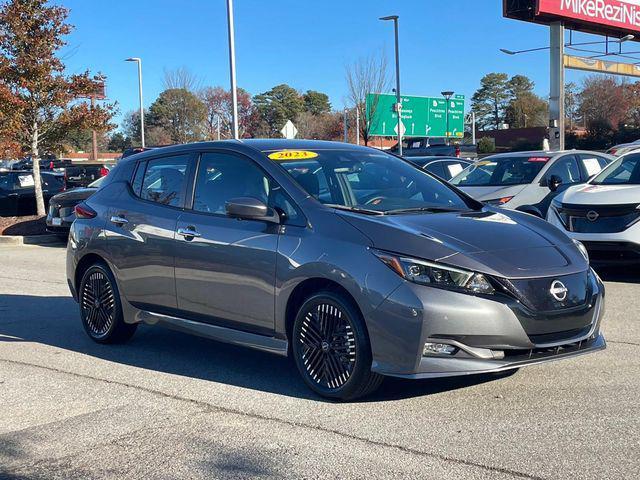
{"x":624,"y":171}
{"x":500,"y":171}
{"x":370,"y":182}
{"x":96,"y":183}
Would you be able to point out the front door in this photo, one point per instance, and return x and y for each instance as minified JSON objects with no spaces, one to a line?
{"x":225,"y":267}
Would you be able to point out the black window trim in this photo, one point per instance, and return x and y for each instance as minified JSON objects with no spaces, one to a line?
{"x":191,"y":187}
{"x":146,"y":161}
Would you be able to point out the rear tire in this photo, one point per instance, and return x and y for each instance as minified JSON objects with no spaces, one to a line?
{"x":331,"y":348}
{"x":100,"y":307}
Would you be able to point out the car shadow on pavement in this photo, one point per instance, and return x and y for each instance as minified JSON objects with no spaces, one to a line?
{"x":55,"y":321}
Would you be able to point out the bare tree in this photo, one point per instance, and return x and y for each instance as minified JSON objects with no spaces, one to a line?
{"x":366,"y":75}
{"x":181,"y":78}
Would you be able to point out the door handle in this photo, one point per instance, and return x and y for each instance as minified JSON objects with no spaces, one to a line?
{"x":188,"y":232}
{"x":119,"y":220}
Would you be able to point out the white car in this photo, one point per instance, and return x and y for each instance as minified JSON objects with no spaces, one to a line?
{"x":604,"y":214}
{"x":528,"y":181}
{"x":621,"y":149}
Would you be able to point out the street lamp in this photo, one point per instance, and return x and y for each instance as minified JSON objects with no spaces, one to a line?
{"x":398,"y":97}
{"x":447,"y":96}
{"x":139,"y":62}
{"x":232,"y":70}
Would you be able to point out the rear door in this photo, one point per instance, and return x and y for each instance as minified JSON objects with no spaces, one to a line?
{"x":141,"y":231}
{"x":566,"y":167}
{"x":225,"y":267}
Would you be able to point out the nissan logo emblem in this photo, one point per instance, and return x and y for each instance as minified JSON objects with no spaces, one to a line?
{"x":592,"y":215}
{"x":558,"y":290}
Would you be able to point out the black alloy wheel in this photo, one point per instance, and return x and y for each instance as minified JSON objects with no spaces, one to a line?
{"x":100,"y":308}
{"x":328,"y":346}
{"x":331,"y":348}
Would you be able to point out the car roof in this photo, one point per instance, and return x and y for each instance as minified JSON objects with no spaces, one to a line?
{"x":259,"y":144}
{"x":438,"y":157}
{"x":268,"y":144}
{"x":544,"y":153}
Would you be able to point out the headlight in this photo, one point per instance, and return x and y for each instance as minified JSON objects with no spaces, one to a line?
{"x":436,"y":275}
{"x":499,"y":201}
{"x":582,"y":248}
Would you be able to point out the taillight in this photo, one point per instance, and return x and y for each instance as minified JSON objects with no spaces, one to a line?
{"x":458,"y":151}
{"x":504,"y":200}
{"x":82,"y":210}
{"x":613,"y":151}
{"x":104,"y":172}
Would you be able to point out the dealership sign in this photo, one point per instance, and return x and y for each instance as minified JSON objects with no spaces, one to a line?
{"x":616,"y":13}
{"x":604,"y":17}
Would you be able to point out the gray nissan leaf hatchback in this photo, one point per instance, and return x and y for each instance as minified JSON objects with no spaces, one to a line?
{"x":354,"y":261}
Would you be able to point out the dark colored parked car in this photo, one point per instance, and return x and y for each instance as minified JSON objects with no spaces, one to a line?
{"x":17,"y":191}
{"x":354,"y":261}
{"x":47,"y":163}
{"x":61,"y":213}
{"x":444,"y":167}
{"x":134,"y":150}
{"x":81,"y":175}
{"x":429,"y":146}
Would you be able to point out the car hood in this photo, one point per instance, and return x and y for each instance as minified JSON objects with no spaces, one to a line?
{"x":491,"y":193}
{"x":497,"y":242}
{"x":601,"y":194}
{"x":73,"y":196}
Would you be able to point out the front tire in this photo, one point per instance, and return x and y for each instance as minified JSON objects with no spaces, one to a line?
{"x":331,"y":348}
{"x":100,"y":307}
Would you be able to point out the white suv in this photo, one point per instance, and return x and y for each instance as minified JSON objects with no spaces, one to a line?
{"x":604,"y":213}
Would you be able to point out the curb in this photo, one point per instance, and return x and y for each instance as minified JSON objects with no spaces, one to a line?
{"x":30,"y":240}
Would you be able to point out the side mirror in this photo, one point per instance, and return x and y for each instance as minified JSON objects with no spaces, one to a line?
{"x":249,"y":208}
{"x":554,"y":182}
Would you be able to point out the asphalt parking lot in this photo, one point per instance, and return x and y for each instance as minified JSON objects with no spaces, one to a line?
{"x":169,"y":405}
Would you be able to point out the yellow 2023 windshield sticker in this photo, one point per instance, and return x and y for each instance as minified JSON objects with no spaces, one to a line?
{"x":292,"y":155}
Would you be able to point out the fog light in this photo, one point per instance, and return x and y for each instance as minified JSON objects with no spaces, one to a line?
{"x":438,"y":349}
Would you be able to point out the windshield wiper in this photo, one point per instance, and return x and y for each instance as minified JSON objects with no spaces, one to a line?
{"x":422,"y":209}
{"x":364,"y":211}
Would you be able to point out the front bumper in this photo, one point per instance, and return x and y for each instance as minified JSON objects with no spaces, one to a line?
{"x":606,"y":249}
{"x":488,"y":333}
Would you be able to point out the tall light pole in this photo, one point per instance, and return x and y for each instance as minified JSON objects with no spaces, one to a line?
{"x":398,"y":96}
{"x":139,"y":62}
{"x":447,"y":96}
{"x":232,"y":71}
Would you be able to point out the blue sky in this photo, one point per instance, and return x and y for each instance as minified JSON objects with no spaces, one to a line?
{"x":445,"y":44}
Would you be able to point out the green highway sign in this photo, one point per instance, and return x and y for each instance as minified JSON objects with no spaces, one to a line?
{"x":421,"y":116}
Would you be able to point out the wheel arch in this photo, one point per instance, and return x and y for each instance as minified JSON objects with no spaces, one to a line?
{"x":85,"y":262}
{"x":304,"y":290}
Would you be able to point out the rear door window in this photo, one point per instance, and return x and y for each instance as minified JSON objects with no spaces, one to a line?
{"x":567,"y":169}
{"x":592,"y":164}
{"x":451,"y":169}
{"x":436,"y":169}
{"x":164,"y":180}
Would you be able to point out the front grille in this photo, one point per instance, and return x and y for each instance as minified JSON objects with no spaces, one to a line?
{"x":598,"y":218}
{"x":559,"y":336}
{"x":613,"y":252}
{"x":535,"y":293}
{"x":541,"y":353}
